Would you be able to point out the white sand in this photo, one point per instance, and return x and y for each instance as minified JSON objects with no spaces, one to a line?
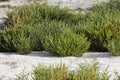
{"x":12,"y":63}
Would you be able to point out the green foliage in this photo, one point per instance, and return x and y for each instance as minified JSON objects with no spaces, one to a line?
{"x":35,"y":13}
{"x":101,"y":25}
{"x":114,"y":47}
{"x":104,"y":23}
{"x":5,"y":40}
{"x":101,"y":35}
{"x":43,"y":22}
{"x":86,"y":71}
{"x":15,"y":39}
{"x":66,"y":43}
{"x":89,"y":71}
{"x":36,"y":35}
{"x":21,"y":41}
{"x":50,"y":73}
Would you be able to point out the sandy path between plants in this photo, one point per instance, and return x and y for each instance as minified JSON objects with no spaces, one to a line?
{"x":12,"y":63}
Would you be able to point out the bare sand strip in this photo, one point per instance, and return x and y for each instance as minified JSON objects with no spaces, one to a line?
{"x":13,"y":63}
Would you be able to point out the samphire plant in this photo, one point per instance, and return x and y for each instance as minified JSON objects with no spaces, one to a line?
{"x":66,"y":43}
{"x":21,"y":41}
{"x":114,"y":47}
{"x":99,"y":26}
{"x":16,"y":40}
{"x":50,"y":73}
{"x":35,"y":13}
{"x":89,"y":71}
{"x":85,"y":71}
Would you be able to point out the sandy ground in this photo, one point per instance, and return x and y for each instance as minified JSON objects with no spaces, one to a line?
{"x":12,"y":64}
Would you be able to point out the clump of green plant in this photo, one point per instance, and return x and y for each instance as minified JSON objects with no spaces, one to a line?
{"x":5,"y":40}
{"x":86,"y":71}
{"x":66,"y":43}
{"x":50,"y":73}
{"x":101,"y":25}
{"x":21,"y":41}
{"x":101,"y":35}
{"x":35,"y":13}
{"x":89,"y":71}
{"x":105,"y":23}
{"x":114,"y":47}
{"x":16,"y":39}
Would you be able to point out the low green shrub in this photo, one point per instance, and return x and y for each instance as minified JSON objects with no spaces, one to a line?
{"x":89,"y":71}
{"x":101,"y":25}
{"x":36,"y":35}
{"x":39,"y":31}
{"x":114,"y":47}
{"x":86,"y":71}
{"x":22,"y":38}
{"x":36,"y":13}
{"x":50,"y":73}
{"x":105,"y":22}
{"x":43,"y":22}
{"x":5,"y":40}
{"x":21,"y":41}
{"x":101,"y":35}
{"x":66,"y":43}
{"x":15,"y":40}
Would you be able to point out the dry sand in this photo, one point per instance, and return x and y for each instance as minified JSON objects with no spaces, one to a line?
{"x":12,"y":63}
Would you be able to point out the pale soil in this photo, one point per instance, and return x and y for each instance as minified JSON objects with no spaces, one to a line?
{"x":12,"y":63}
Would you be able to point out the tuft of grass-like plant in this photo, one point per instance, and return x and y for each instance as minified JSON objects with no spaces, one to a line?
{"x":16,"y":39}
{"x":5,"y":40}
{"x":35,"y":13}
{"x":86,"y":71}
{"x":114,"y":47}
{"x":50,"y":73}
{"x":21,"y":41}
{"x":99,"y":26}
{"x":89,"y":71}
{"x":66,"y":43}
